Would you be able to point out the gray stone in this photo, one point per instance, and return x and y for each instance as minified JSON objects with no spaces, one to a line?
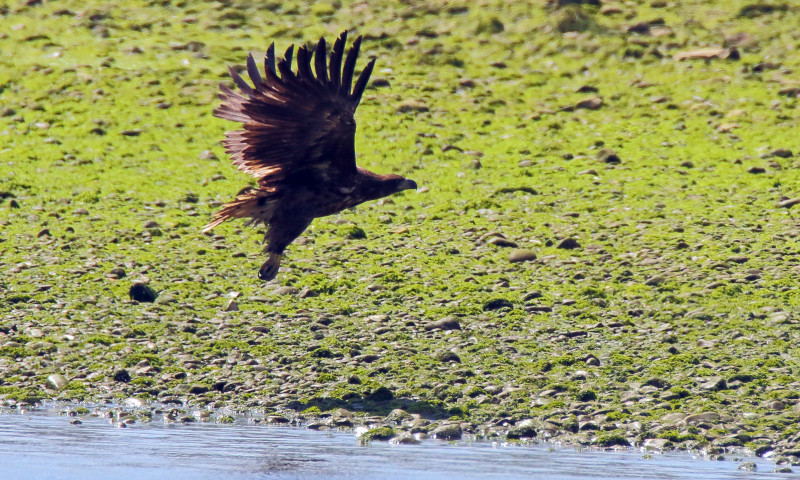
{"x":404,"y":439}
{"x":502,"y":242}
{"x":705,"y":417}
{"x":447,"y":432}
{"x":231,"y":306}
{"x":525,"y":428}
{"x":655,"y":443}
{"x":447,"y":323}
{"x":56,"y":381}
{"x":520,"y":255}
{"x":286,"y":290}
{"x":399,"y":415}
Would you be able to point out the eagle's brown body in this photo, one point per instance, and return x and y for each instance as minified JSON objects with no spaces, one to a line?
{"x":298,"y":140}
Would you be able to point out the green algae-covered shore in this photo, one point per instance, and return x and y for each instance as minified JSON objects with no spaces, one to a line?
{"x":602,"y":248}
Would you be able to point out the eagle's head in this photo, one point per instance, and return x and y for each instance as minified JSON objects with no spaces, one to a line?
{"x":396,"y":183}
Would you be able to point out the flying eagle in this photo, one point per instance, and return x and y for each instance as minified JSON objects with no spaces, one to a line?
{"x":299,"y":141}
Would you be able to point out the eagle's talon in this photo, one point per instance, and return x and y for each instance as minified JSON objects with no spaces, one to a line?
{"x":269,"y":269}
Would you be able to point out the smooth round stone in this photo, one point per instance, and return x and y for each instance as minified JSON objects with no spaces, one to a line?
{"x":56,"y":381}
{"x":448,"y":432}
{"x":404,"y":439}
{"x":520,"y":255}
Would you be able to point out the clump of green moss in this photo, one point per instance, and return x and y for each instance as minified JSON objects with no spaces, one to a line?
{"x":380,"y":433}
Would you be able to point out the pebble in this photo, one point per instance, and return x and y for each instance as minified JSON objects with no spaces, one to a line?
{"x":399,"y":415}
{"x":608,"y":155}
{"x":521,"y":255}
{"x":141,"y":292}
{"x":501,"y":242}
{"x":231,"y":306}
{"x":451,"y":431}
{"x":782,"y":153}
{"x":705,"y":417}
{"x":655,"y":280}
{"x":56,"y":381}
{"x":208,"y":155}
{"x":447,"y":323}
{"x":497,"y":304}
{"x":714,"y":384}
{"x":411,"y":105}
{"x":287,"y":290}
{"x":591,"y":103}
{"x":525,"y":428}
{"x":448,"y":356}
{"x":655,"y":443}
{"x":404,"y":439}
{"x":569,"y":244}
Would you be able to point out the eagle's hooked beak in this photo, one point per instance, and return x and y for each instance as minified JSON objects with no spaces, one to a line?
{"x":408,"y":185}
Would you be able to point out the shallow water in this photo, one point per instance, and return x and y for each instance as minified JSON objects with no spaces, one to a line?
{"x":40,"y":444}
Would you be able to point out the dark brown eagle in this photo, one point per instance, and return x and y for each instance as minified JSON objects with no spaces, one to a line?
{"x":299,"y":141}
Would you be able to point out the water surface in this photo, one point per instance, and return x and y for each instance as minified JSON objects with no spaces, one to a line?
{"x":41,"y":445}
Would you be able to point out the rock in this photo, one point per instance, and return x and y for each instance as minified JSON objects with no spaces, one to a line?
{"x":411,"y":105}
{"x":655,"y":280}
{"x":56,"y":381}
{"x":399,"y":415}
{"x":497,"y":304}
{"x":450,"y":431}
{"x":501,"y":242}
{"x":116,"y":273}
{"x":789,"y":203}
{"x":208,"y":155}
{"x":231,"y":306}
{"x":380,"y":394}
{"x":714,"y":384}
{"x":166,"y":299}
{"x":568,"y":244}
{"x":520,"y":255}
{"x":756,"y":170}
{"x":747,"y":466}
{"x":198,"y":389}
{"x":404,"y":439}
{"x":705,"y":417}
{"x":776,"y":405}
{"x":366,"y":358}
{"x":607,"y":155}
{"x":591,"y":103}
{"x":655,"y":443}
{"x":757,"y":9}
{"x":781,"y":152}
{"x":287,"y":290}
{"x":708,"y":54}
{"x":380,"y":433}
{"x":738,"y":259}
{"x":141,"y":292}
{"x":447,"y":323}
{"x":525,"y":428}
{"x":276,"y":419}
{"x":448,"y":356}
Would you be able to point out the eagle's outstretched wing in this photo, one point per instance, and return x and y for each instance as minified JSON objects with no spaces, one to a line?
{"x":299,"y":121}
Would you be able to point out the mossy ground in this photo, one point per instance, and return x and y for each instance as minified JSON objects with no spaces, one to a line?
{"x":681,"y":296}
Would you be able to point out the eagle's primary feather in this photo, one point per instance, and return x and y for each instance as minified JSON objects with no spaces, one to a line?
{"x":298,"y":139}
